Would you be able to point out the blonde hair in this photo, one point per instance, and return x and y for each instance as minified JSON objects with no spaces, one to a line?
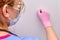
{"x":10,"y":3}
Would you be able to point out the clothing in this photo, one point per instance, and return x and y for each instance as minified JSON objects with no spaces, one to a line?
{"x":14,"y":37}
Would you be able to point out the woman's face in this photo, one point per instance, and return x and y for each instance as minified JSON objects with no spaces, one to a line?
{"x":13,"y":11}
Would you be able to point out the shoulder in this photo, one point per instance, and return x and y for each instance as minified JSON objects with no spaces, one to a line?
{"x":29,"y":38}
{"x":14,"y":37}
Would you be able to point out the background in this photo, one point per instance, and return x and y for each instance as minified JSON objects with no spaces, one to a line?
{"x":29,"y":24}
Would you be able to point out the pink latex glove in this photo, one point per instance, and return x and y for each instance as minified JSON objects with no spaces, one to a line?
{"x":44,"y":17}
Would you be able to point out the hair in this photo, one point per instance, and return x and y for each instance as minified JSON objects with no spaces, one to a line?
{"x":10,"y":3}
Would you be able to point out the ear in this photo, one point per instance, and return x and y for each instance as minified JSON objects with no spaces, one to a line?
{"x":5,"y":11}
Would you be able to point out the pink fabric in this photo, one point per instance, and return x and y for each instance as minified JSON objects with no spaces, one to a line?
{"x":2,"y":37}
{"x":44,"y":17}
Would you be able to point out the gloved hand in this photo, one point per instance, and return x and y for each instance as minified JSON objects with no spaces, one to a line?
{"x":45,"y":18}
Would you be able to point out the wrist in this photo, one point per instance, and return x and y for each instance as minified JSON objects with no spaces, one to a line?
{"x":47,"y":24}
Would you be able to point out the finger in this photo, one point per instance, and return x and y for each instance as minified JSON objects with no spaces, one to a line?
{"x":39,"y":12}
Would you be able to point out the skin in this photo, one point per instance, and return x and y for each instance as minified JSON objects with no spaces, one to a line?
{"x":9,"y":13}
{"x":14,"y":11}
{"x":45,"y":19}
{"x":51,"y":35}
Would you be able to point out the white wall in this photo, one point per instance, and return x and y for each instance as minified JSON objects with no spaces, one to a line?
{"x":29,"y":24}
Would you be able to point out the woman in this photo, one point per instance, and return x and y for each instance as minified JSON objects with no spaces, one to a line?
{"x":9,"y":15}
